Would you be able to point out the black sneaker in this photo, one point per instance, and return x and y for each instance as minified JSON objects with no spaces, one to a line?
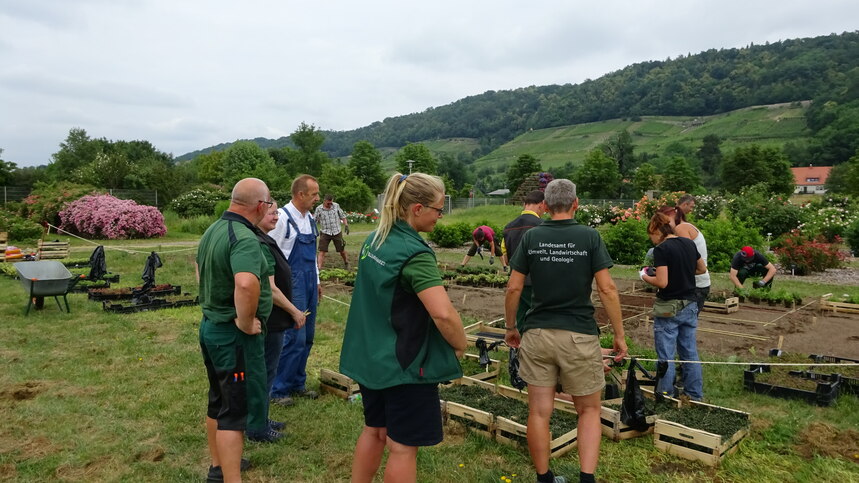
{"x":306,"y":393}
{"x":276,"y":425}
{"x":216,"y":475}
{"x":267,"y":436}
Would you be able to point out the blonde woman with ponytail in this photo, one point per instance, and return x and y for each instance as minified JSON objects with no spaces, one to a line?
{"x":403,"y":335}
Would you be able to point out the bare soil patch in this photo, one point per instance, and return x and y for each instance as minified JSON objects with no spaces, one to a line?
{"x":821,"y":439}
{"x":23,"y":391}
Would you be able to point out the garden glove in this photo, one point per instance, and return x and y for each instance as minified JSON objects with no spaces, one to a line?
{"x":491,"y":260}
{"x":506,"y":269}
{"x":346,"y":228}
{"x":760,"y":284}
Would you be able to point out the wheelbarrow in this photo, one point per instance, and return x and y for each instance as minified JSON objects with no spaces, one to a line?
{"x":45,"y":278}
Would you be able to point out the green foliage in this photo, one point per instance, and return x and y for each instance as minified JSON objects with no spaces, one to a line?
{"x":350,"y":192}
{"x":7,"y":171}
{"x":424,"y":162}
{"x":830,"y":223}
{"x":221,"y":207}
{"x":598,"y":177}
{"x":804,"y":255}
{"x":724,"y":239}
{"x":844,"y":178}
{"x":627,"y":241}
{"x":771,"y":214}
{"x":19,"y":229}
{"x":852,"y":236}
{"x":679,"y":176}
{"x":751,"y":165}
{"x":309,"y":158}
{"x":366,"y":165}
{"x":621,"y":150}
{"x":45,"y":203}
{"x":210,"y":166}
{"x":245,"y":159}
{"x":524,"y":166}
{"x":644,"y":179}
{"x":708,"y":207}
{"x":451,"y":236}
{"x":199,"y":201}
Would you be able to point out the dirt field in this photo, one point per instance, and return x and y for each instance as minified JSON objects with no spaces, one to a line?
{"x":748,"y":333}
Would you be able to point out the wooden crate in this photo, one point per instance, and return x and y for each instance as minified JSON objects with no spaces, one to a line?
{"x":614,"y":429}
{"x":730,"y":305}
{"x":485,"y":331}
{"x":491,"y":371}
{"x":516,"y":434}
{"x":335,"y":383}
{"x":842,"y":307}
{"x":4,"y":241}
{"x":476,"y":420}
{"x":695,"y":444}
{"x":52,"y":250}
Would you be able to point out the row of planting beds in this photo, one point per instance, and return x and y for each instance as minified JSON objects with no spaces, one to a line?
{"x":820,"y":385}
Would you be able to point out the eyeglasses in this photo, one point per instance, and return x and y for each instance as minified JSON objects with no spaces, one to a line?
{"x":439,"y":210}
{"x":269,"y":203}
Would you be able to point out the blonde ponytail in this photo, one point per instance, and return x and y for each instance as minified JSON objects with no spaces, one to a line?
{"x":401,"y":192}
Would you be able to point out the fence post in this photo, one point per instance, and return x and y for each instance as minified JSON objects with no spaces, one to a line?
{"x":156,"y":198}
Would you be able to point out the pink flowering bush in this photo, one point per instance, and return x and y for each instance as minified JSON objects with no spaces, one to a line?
{"x":104,"y":216}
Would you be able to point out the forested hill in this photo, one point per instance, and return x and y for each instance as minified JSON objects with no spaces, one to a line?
{"x":711,"y":82}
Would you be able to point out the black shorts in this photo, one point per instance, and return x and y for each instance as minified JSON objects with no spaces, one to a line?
{"x":411,"y":413}
{"x":473,"y":250}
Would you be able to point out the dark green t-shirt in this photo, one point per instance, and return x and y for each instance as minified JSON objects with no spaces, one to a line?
{"x":228,"y":247}
{"x":421,"y":273}
{"x":561,"y":257}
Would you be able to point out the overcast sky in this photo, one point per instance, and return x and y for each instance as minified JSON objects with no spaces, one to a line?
{"x":188,"y":74}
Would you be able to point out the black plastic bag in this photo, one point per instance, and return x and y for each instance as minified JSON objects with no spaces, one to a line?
{"x":513,"y":369}
{"x":483,"y":347}
{"x":632,"y":410}
{"x":97,"y":263}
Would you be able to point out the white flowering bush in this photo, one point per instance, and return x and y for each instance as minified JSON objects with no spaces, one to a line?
{"x":197,"y":202}
{"x":104,"y":216}
{"x":594,"y":216}
{"x":708,"y":207}
{"x":830,"y":223}
{"x":358,"y":217}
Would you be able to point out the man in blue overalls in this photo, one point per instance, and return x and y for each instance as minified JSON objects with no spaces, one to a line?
{"x":296,"y":234}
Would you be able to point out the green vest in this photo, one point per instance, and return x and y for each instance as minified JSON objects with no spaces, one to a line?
{"x":390,"y":337}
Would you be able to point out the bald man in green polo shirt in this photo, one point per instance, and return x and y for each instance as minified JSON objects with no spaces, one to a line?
{"x":235,"y":296}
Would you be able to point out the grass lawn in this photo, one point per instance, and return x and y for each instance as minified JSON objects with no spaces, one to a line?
{"x":95,"y":396}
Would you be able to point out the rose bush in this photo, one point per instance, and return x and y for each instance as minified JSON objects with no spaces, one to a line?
{"x":198,"y":201}
{"x":104,"y":216}
{"x":803,"y":254}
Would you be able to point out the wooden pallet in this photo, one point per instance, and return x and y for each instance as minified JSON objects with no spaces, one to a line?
{"x":695,"y":444}
{"x":335,"y":383}
{"x":730,"y":305}
{"x":476,"y":420}
{"x":52,"y":250}
{"x":4,"y":241}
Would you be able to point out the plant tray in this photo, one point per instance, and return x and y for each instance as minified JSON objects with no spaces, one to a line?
{"x":849,"y":383}
{"x":846,"y":385}
{"x":516,"y":434}
{"x":126,"y":292}
{"x":613,"y":428}
{"x":87,"y":288}
{"x":730,"y":305}
{"x":824,"y":395}
{"x":155,"y":304}
{"x":335,"y":383}
{"x":491,"y":371}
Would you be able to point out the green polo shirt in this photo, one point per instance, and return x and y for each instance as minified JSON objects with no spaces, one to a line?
{"x":228,"y":247}
{"x":562,"y":257}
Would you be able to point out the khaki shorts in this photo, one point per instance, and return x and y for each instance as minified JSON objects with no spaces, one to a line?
{"x":552,"y":356}
{"x":325,"y":239}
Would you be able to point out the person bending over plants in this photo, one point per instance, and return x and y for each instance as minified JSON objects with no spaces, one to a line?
{"x":749,"y":262}
{"x":481,"y":237}
{"x":676,"y":261}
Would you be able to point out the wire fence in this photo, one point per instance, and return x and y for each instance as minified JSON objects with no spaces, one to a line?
{"x":145,"y":197}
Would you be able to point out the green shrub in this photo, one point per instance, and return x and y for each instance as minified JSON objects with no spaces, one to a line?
{"x":221,"y":207}
{"x":627,"y":241}
{"x":768,"y":213}
{"x":198,"y":201}
{"x":830,"y":223}
{"x":47,"y":201}
{"x":852,"y":236}
{"x":450,"y":236}
{"x":724,"y":239}
{"x":19,"y":229}
{"x":196,"y":225}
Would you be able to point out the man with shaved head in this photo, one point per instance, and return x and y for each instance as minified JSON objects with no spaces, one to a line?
{"x":236,"y":299}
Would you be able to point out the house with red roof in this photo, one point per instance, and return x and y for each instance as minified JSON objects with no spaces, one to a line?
{"x":811,"y":179}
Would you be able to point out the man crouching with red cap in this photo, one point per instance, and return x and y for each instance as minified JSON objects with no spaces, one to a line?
{"x":749,"y":262}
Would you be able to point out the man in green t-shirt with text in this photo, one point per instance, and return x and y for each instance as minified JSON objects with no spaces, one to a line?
{"x":560,"y":339}
{"x":235,"y":296}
